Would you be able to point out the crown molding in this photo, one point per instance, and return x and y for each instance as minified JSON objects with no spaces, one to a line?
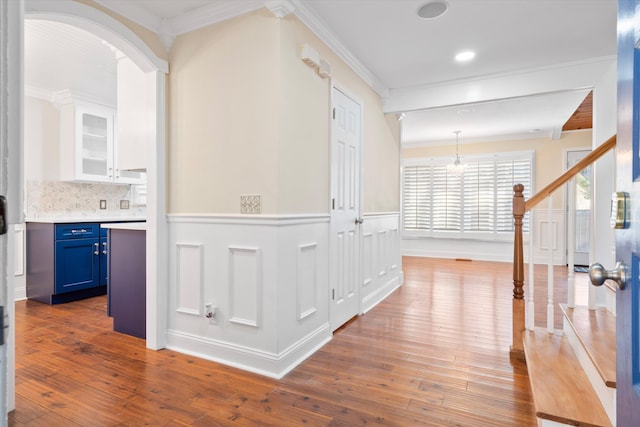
{"x":36,"y":92}
{"x":212,"y":14}
{"x":132,"y":11}
{"x":279,"y":8}
{"x":321,"y":30}
{"x":223,"y":10}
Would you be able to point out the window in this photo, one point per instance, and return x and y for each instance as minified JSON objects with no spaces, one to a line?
{"x":476,"y":204}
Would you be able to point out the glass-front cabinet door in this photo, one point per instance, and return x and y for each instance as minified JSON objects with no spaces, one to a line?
{"x":86,"y":142}
{"x":95,"y":136}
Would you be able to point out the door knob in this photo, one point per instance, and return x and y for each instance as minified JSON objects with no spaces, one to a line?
{"x":359,"y":220}
{"x":598,"y":274}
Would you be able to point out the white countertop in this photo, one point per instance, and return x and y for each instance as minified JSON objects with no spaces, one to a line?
{"x":125,"y":225}
{"x":101,"y":220}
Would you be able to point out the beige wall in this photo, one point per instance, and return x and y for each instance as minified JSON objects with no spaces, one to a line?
{"x":249,"y":117}
{"x":41,"y":140}
{"x":224,"y":121}
{"x":549,"y":154}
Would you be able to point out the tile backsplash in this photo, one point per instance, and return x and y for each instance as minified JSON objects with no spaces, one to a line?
{"x":53,"y":199}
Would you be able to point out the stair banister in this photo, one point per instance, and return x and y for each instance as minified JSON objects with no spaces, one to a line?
{"x":518,"y":270}
{"x":520,"y":207}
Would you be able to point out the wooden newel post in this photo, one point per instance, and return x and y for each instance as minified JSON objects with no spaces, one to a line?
{"x":518,"y":271}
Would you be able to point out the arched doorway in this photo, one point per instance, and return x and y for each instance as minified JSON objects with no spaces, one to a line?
{"x":155,"y":69}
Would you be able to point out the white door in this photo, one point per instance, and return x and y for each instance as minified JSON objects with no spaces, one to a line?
{"x":582,"y":203}
{"x":345,"y":209}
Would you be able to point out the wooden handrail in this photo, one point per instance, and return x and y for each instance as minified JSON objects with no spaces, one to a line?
{"x":520,"y":207}
{"x":570,"y":173}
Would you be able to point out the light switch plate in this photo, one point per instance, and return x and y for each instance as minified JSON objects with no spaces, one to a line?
{"x":103,"y":204}
{"x":251,"y":204}
{"x":124,"y":204}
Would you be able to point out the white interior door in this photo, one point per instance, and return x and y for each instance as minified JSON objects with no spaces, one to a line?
{"x":345,"y":212}
{"x":582,"y":202}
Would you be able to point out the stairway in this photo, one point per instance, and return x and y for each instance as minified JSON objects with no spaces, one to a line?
{"x":572,"y":372}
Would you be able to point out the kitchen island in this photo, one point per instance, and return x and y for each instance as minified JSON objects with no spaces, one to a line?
{"x":127,"y":277}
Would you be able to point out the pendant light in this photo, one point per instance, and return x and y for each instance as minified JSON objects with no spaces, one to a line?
{"x":457,"y":167}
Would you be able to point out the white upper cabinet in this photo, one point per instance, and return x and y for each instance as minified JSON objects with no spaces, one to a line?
{"x":89,"y":148}
{"x":132,"y":130}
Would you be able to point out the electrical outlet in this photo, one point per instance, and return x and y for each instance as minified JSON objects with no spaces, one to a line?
{"x":124,"y":204}
{"x":103,"y":204}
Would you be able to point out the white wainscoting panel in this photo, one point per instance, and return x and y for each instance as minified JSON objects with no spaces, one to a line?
{"x":307,"y":280}
{"x":245,"y":285}
{"x":383,"y":246}
{"x":189,"y":281}
{"x":501,"y":251}
{"x":381,"y":272}
{"x":267,"y":276}
{"x":367,"y":259}
{"x":20,"y":262}
{"x":19,"y":249}
{"x":541,"y":238}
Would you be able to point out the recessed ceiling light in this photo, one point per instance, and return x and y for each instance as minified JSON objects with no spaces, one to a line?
{"x":467,"y":55}
{"x":433,"y":9}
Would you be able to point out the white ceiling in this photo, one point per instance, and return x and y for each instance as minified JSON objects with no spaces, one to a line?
{"x":61,"y":57}
{"x":399,"y":50}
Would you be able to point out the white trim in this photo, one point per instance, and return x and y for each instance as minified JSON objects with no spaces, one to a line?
{"x":223,"y":10}
{"x":320,"y":29}
{"x":257,"y":284}
{"x":100,"y":24}
{"x":279,"y":8}
{"x":273,"y":365}
{"x":212,"y":14}
{"x":294,"y":219}
{"x":301,"y":273}
{"x":380,"y":215}
{"x":194,"y":277}
{"x":120,"y":36}
{"x":534,"y":81}
{"x":132,"y":11}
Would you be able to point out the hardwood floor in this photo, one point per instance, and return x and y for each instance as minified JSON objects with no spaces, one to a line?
{"x":434,"y":353}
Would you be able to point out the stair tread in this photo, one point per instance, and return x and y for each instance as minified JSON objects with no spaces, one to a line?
{"x":596,"y":330}
{"x":561,"y":390}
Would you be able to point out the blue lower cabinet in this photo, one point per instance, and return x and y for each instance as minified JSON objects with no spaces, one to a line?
{"x":77,"y":264}
{"x":63,"y":262}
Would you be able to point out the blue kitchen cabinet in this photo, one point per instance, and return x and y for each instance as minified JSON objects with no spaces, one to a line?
{"x":104,"y":249}
{"x":77,"y":264}
{"x":63,"y":262}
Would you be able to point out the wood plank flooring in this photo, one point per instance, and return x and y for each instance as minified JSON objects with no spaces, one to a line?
{"x":434,"y":353}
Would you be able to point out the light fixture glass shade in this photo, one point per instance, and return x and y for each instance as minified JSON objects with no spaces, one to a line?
{"x":457,"y":167}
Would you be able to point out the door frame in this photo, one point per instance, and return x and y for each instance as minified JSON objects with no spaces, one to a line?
{"x":336,"y":85}
{"x":11,"y":127}
{"x":123,"y":38}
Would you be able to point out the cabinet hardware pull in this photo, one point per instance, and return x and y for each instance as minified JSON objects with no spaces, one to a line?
{"x":104,"y":248}
{"x":96,"y":252}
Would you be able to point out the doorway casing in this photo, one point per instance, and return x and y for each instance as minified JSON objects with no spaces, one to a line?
{"x":117,"y":34}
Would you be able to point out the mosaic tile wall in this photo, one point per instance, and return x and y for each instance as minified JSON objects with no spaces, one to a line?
{"x":56,"y":199}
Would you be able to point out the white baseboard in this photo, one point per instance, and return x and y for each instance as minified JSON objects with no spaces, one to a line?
{"x":21,"y":293}
{"x":248,"y":359}
{"x":375,"y":298}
